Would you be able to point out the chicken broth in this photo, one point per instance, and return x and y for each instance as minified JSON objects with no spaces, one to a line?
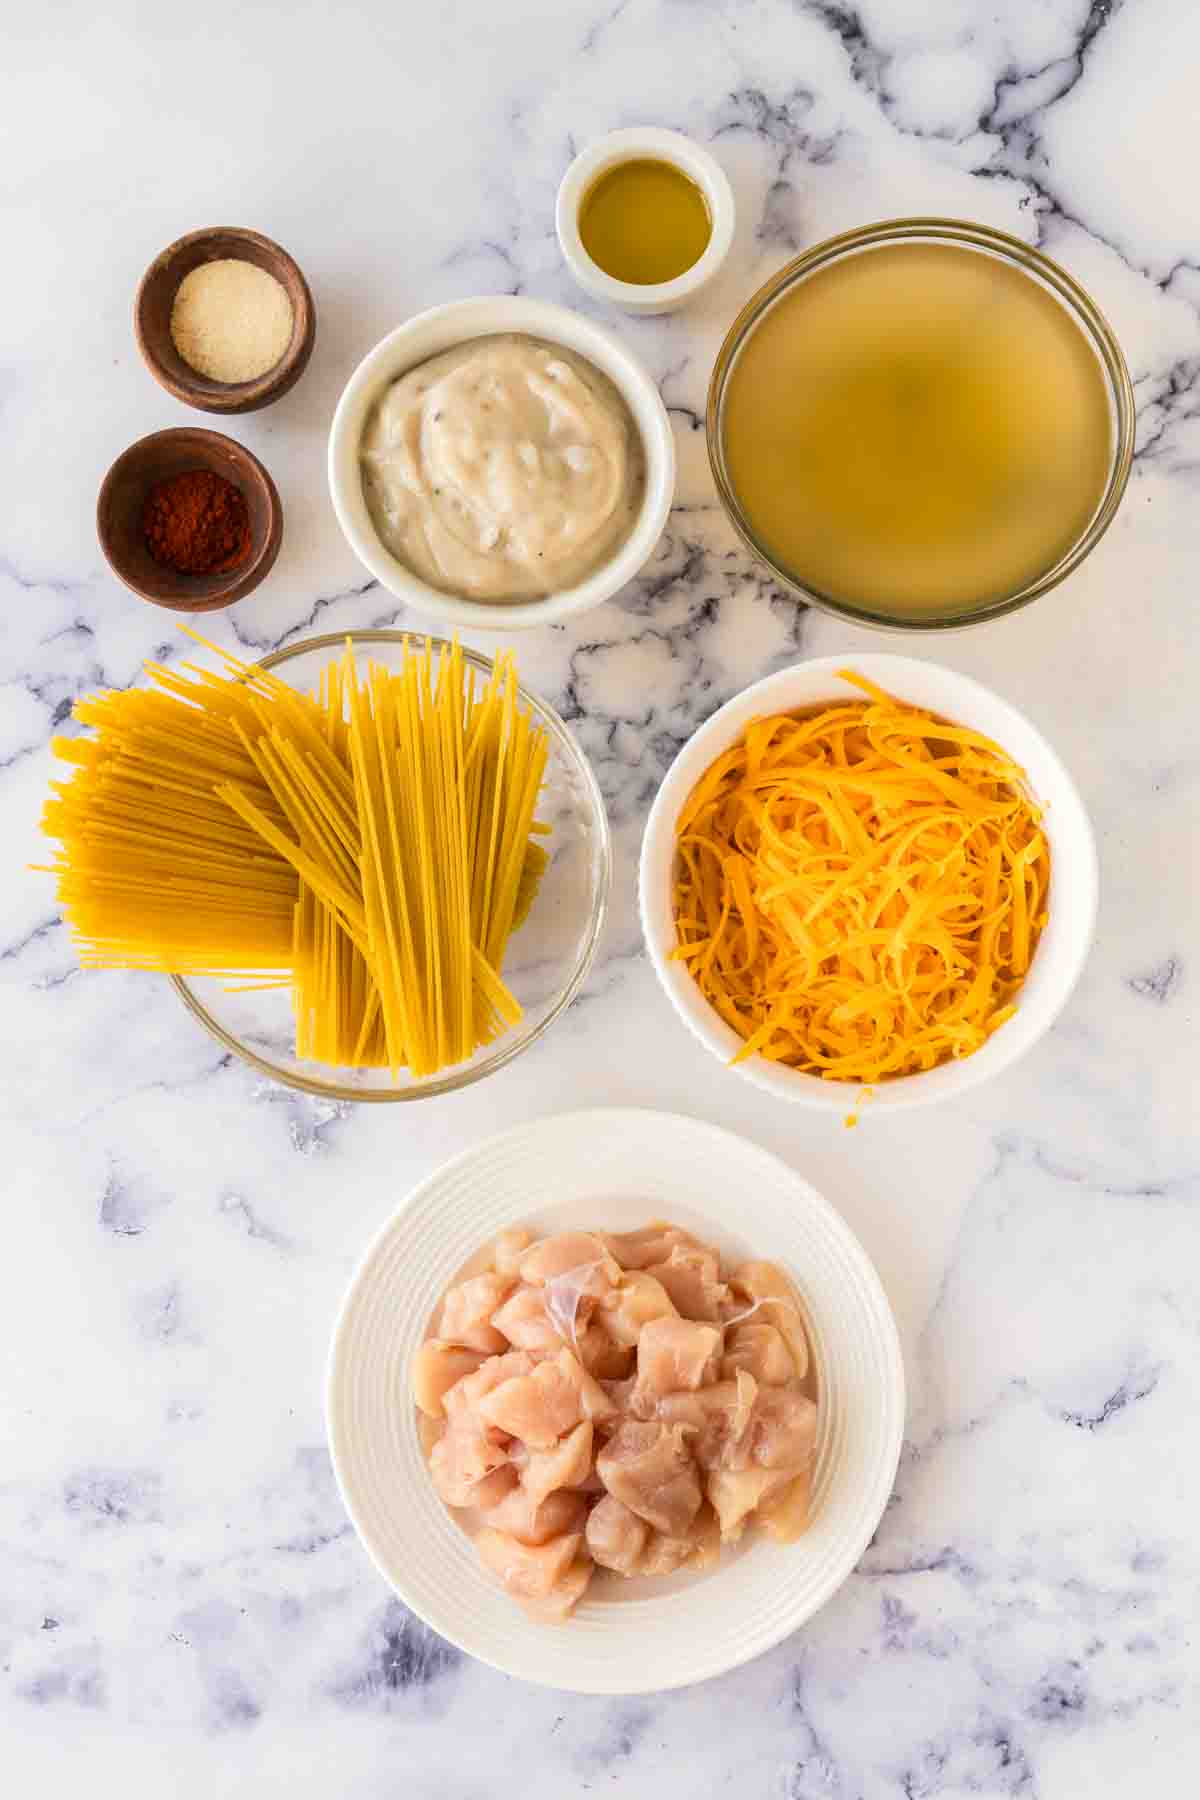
{"x":917,"y":429}
{"x":617,"y":1403}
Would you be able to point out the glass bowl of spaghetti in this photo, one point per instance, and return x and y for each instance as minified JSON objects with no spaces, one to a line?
{"x":868,"y":877}
{"x":545,"y":961}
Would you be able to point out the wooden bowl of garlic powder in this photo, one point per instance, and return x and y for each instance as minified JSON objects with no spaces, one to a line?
{"x":224,"y":320}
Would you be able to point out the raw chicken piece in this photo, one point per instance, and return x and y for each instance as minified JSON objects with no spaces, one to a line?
{"x":720,"y":1419}
{"x":615,"y":1535}
{"x":492,"y":1489}
{"x":692,"y":1277}
{"x":530,"y":1571}
{"x":467,"y":1311}
{"x":635,"y":1300}
{"x":663,"y":1555}
{"x":524,"y":1321}
{"x":783,"y":1429}
{"x":462,"y":1400}
{"x":538,"y":1408}
{"x":567,"y":1465}
{"x":621,"y":1393}
{"x":652,"y":1244}
{"x":648,"y":1466}
{"x":676,"y":1353}
{"x":734,"y":1493}
{"x":601,"y":1357}
{"x":575,"y":1253}
{"x":766,"y":1290}
{"x":508,"y":1250}
{"x":536,"y":1522}
{"x":762,"y":1351}
{"x":706,"y":1539}
{"x":784,"y":1515}
{"x":436,"y":1367}
{"x":460,"y":1459}
{"x":699,"y":1547}
{"x":564,"y":1596}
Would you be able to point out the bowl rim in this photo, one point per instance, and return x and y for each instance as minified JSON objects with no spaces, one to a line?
{"x":985,"y":239}
{"x":232,"y":397}
{"x":684,"y":154}
{"x":512,"y":1044}
{"x":242,"y":580}
{"x":964,"y":697}
{"x":620,"y":1125}
{"x":456,"y":322}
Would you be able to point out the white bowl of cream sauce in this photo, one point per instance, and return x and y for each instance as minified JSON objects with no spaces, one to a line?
{"x":540,"y":490}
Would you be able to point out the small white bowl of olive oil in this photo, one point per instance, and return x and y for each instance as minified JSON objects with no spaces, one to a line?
{"x":645,"y":219}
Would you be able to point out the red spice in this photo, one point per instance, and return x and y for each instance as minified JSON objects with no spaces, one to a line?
{"x":197,"y":524}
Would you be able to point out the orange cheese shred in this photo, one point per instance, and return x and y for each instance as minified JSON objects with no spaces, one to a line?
{"x":859,"y":890}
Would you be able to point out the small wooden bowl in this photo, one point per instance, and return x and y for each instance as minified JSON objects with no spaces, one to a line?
{"x":123,"y":497}
{"x":152,"y":320}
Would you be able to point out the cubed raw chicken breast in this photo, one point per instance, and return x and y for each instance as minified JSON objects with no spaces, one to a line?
{"x":529,"y":1571}
{"x":675,"y":1353}
{"x":460,"y":1459}
{"x":537,"y":1521}
{"x":538,"y":1408}
{"x":492,"y":1489}
{"x":467,"y":1312}
{"x":761,"y":1351}
{"x":564,"y":1596}
{"x":605,"y":1399}
{"x":663,"y":1555}
{"x":462,"y":1400}
{"x":784,"y":1515}
{"x":436,"y":1367}
{"x":698,"y":1548}
{"x":783,"y":1429}
{"x":575,"y":1253}
{"x":567,"y":1464}
{"x":615,"y":1535}
{"x":719,"y":1420}
{"x":508,"y":1250}
{"x":650,"y":1468}
{"x":762,"y":1290}
{"x":636,"y":1299}
{"x":601,"y":1357}
{"x":524,"y":1321}
{"x":692,"y":1278}
{"x":733,"y":1494}
{"x":652,"y":1244}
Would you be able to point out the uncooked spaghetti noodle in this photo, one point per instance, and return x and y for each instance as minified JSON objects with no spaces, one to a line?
{"x":373,"y":844}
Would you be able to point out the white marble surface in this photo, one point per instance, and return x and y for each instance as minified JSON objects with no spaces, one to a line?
{"x":183,"y":1608}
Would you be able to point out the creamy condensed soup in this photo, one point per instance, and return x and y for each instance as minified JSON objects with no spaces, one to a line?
{"x":504,"y":469}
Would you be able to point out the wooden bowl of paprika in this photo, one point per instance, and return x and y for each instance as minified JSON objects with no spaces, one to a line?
{"x":189,"y":519}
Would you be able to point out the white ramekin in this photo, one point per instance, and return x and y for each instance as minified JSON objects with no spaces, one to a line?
{"x":441,"y":328}
{"x":665,"y":146}
{"x":1074,"y":878}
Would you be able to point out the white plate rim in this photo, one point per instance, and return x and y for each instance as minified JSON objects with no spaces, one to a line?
{"x":892,"y":1398}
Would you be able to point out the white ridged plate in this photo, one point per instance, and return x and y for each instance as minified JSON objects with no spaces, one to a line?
{"x":616,"y":1169}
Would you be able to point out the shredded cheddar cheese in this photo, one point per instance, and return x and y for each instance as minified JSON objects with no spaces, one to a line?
{"x":859,"y":891}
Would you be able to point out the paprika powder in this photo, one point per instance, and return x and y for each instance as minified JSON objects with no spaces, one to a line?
{"x":197,"y":523}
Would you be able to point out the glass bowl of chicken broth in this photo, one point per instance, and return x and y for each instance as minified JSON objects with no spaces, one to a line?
{"x":921,"y":424}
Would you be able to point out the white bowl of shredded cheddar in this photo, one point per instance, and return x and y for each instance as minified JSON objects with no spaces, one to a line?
{"x":868,"y":879}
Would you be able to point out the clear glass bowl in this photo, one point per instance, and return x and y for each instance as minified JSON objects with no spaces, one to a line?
{"x":986,"y":241}
{"x":547,"y":960}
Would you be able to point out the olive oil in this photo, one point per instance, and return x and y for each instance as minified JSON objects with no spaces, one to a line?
{"x":917,"y":429}
{"x":644,"y":221}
